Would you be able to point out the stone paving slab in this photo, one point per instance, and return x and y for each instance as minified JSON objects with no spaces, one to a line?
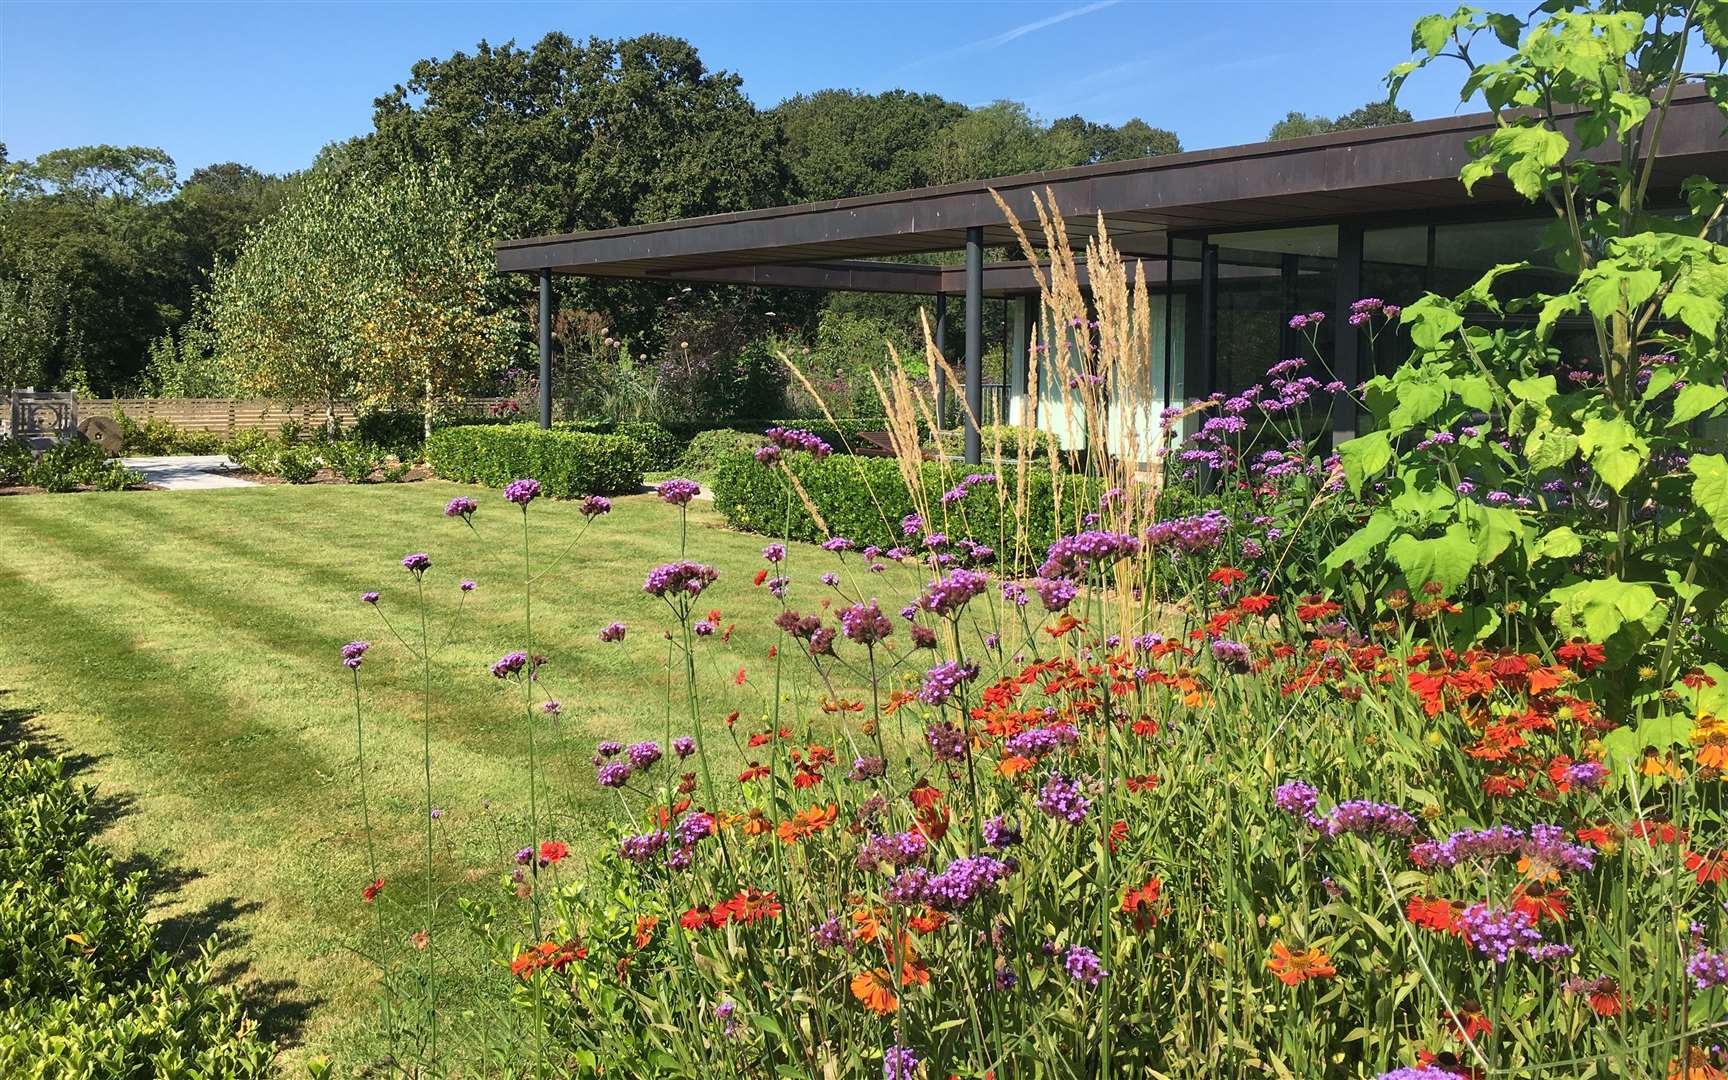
{"x":187,"y":472}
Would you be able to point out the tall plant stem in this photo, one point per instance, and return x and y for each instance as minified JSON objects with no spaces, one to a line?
{"x":533,"y":782}
{"x":366,"y":826}
{"x":426,"y":768}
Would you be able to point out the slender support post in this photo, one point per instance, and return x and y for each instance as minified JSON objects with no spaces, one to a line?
{"x":974,"y":343}
{"x":942,"y":344}
{"x":545,"y":348}
{"x":1346,"y":341}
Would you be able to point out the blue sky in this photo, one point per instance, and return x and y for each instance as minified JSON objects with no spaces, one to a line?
{"x":270,"y":83}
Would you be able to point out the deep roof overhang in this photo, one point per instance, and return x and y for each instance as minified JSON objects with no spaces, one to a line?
{"x":838,"y":244}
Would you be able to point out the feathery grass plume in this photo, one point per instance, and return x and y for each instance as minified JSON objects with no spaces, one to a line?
{"x":804,"y":496}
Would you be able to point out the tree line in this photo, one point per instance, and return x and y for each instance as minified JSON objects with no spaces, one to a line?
{"x":116,"y":275}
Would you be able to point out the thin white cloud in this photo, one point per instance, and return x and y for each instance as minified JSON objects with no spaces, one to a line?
{"x":996,"y":41}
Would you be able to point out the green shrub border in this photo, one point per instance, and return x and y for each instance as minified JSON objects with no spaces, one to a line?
{"x":84,"y":991}
{"x":567,"y":463}
{"x":865,"y":499}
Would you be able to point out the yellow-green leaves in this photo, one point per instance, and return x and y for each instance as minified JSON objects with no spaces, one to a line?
{"x":1524,"y":151}
{"x":1614,"y":448}
{"x":1597,"y":610}
{"x":1710,"y":488}
{"x":1365,"y":456}
{"x":1447,"y":558}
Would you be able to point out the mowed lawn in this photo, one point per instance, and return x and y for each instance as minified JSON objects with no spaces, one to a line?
{"x":181,"y":648}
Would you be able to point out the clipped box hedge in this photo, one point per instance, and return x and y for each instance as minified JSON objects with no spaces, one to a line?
{"x":864,"y":499}
{"x":84,"y":989}
{"x":568,"y":464}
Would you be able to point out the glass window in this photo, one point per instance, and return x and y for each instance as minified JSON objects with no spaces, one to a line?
{"x":1264,"y":278}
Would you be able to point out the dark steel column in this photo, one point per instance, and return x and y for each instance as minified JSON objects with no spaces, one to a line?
{"x":1346,"y":340}
{"x":545,"y":348}
{"x":942,"y":344}
{"x":974,"y":343}
{"x":1208,"y":373}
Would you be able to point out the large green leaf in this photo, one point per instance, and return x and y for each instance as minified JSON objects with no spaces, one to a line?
{"x":1597,"y":609}
{"x":1365,"y":456}
{"x":1695,"y":399}
{"x":1614,"y":449}
{"x":1710,"y":488}
{"x":1549,"y":447}
{"x":1447,"y":558}
{"x":1524,"y":152}
{"x":1431,"y":319}
{"x":1559,"y":543}
{"x":1418,"y":399}
{"x":1495,"y":527}
{"x":1363,"y":542}
{"x":1611,"y":286}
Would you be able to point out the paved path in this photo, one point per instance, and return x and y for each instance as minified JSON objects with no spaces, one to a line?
{"x":187,"y":472}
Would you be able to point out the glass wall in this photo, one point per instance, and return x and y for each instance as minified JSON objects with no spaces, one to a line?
{"x":1400,"y":263}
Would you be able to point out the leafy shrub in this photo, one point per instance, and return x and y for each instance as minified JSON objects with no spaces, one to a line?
{"x":567,"y":463}
{"x":865,"y":499}
{"x":706,"y":448}
{"x":292,"y":431}
{"x":83,"y":989}
{"x":1040,"y":445}
{"x":253,"y":450}
{"x":297,"y":465}
{"x":396,"y":472}
{"x":15,"y":460}
{"x":71,"y":465}
{"x":395,"y":430}
{"x":714,"y":367}
{"x":660,"y":448}
{"x":354,"y":461}
{"x":158,"y":436}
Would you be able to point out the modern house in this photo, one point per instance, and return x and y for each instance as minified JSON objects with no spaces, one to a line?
{"x":1233,"y":242}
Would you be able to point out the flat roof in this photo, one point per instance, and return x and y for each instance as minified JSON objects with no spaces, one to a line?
{"x":839,"y":244}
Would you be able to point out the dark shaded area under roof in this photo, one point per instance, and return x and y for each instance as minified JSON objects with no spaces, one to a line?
{"x":838,"y":245}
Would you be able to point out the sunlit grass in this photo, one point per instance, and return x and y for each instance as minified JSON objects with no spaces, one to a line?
{"x":186,"y":644}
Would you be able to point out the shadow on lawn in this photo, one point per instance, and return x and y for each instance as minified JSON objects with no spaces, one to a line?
{"x":278,"y":1005}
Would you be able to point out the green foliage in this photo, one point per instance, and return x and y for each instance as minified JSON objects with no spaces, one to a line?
{"x":568,"y":464}
{"x":373,"y":287}
{"x":864,"y":500}
{"x":68,"y":466}
{"x":1040,"y":444}
{"x":158,"y":436}
{"x":84,"y":991}
{"x":354,"y":461}
{"x":253,"y":450}
{"x":15,"y":460}
{"x":1135,"y":138}
{"x":101,"y":255}
{"x":587,"y":135}
{"x":1295,"y":125}
{"x":1595,"y":501}
{"x":841,"y":143}
{"x":660,"y":448}
{"x":297,"y":464}
{"x":706,"y":449}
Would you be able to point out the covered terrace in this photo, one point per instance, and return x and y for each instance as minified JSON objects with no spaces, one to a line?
{"x":1171,"y":211}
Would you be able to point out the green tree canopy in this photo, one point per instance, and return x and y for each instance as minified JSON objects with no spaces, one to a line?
{"x":587,"y":136}
{"x":840,"y":143}
{"x":1133,"y":139}
{"x":377,"y":288}
{"x":574,"y":136}
{"x":1295,"y":125}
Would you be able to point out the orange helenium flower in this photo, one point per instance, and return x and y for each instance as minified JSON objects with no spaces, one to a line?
{"x":875,"y":989}
{"x":1295,"y":968}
